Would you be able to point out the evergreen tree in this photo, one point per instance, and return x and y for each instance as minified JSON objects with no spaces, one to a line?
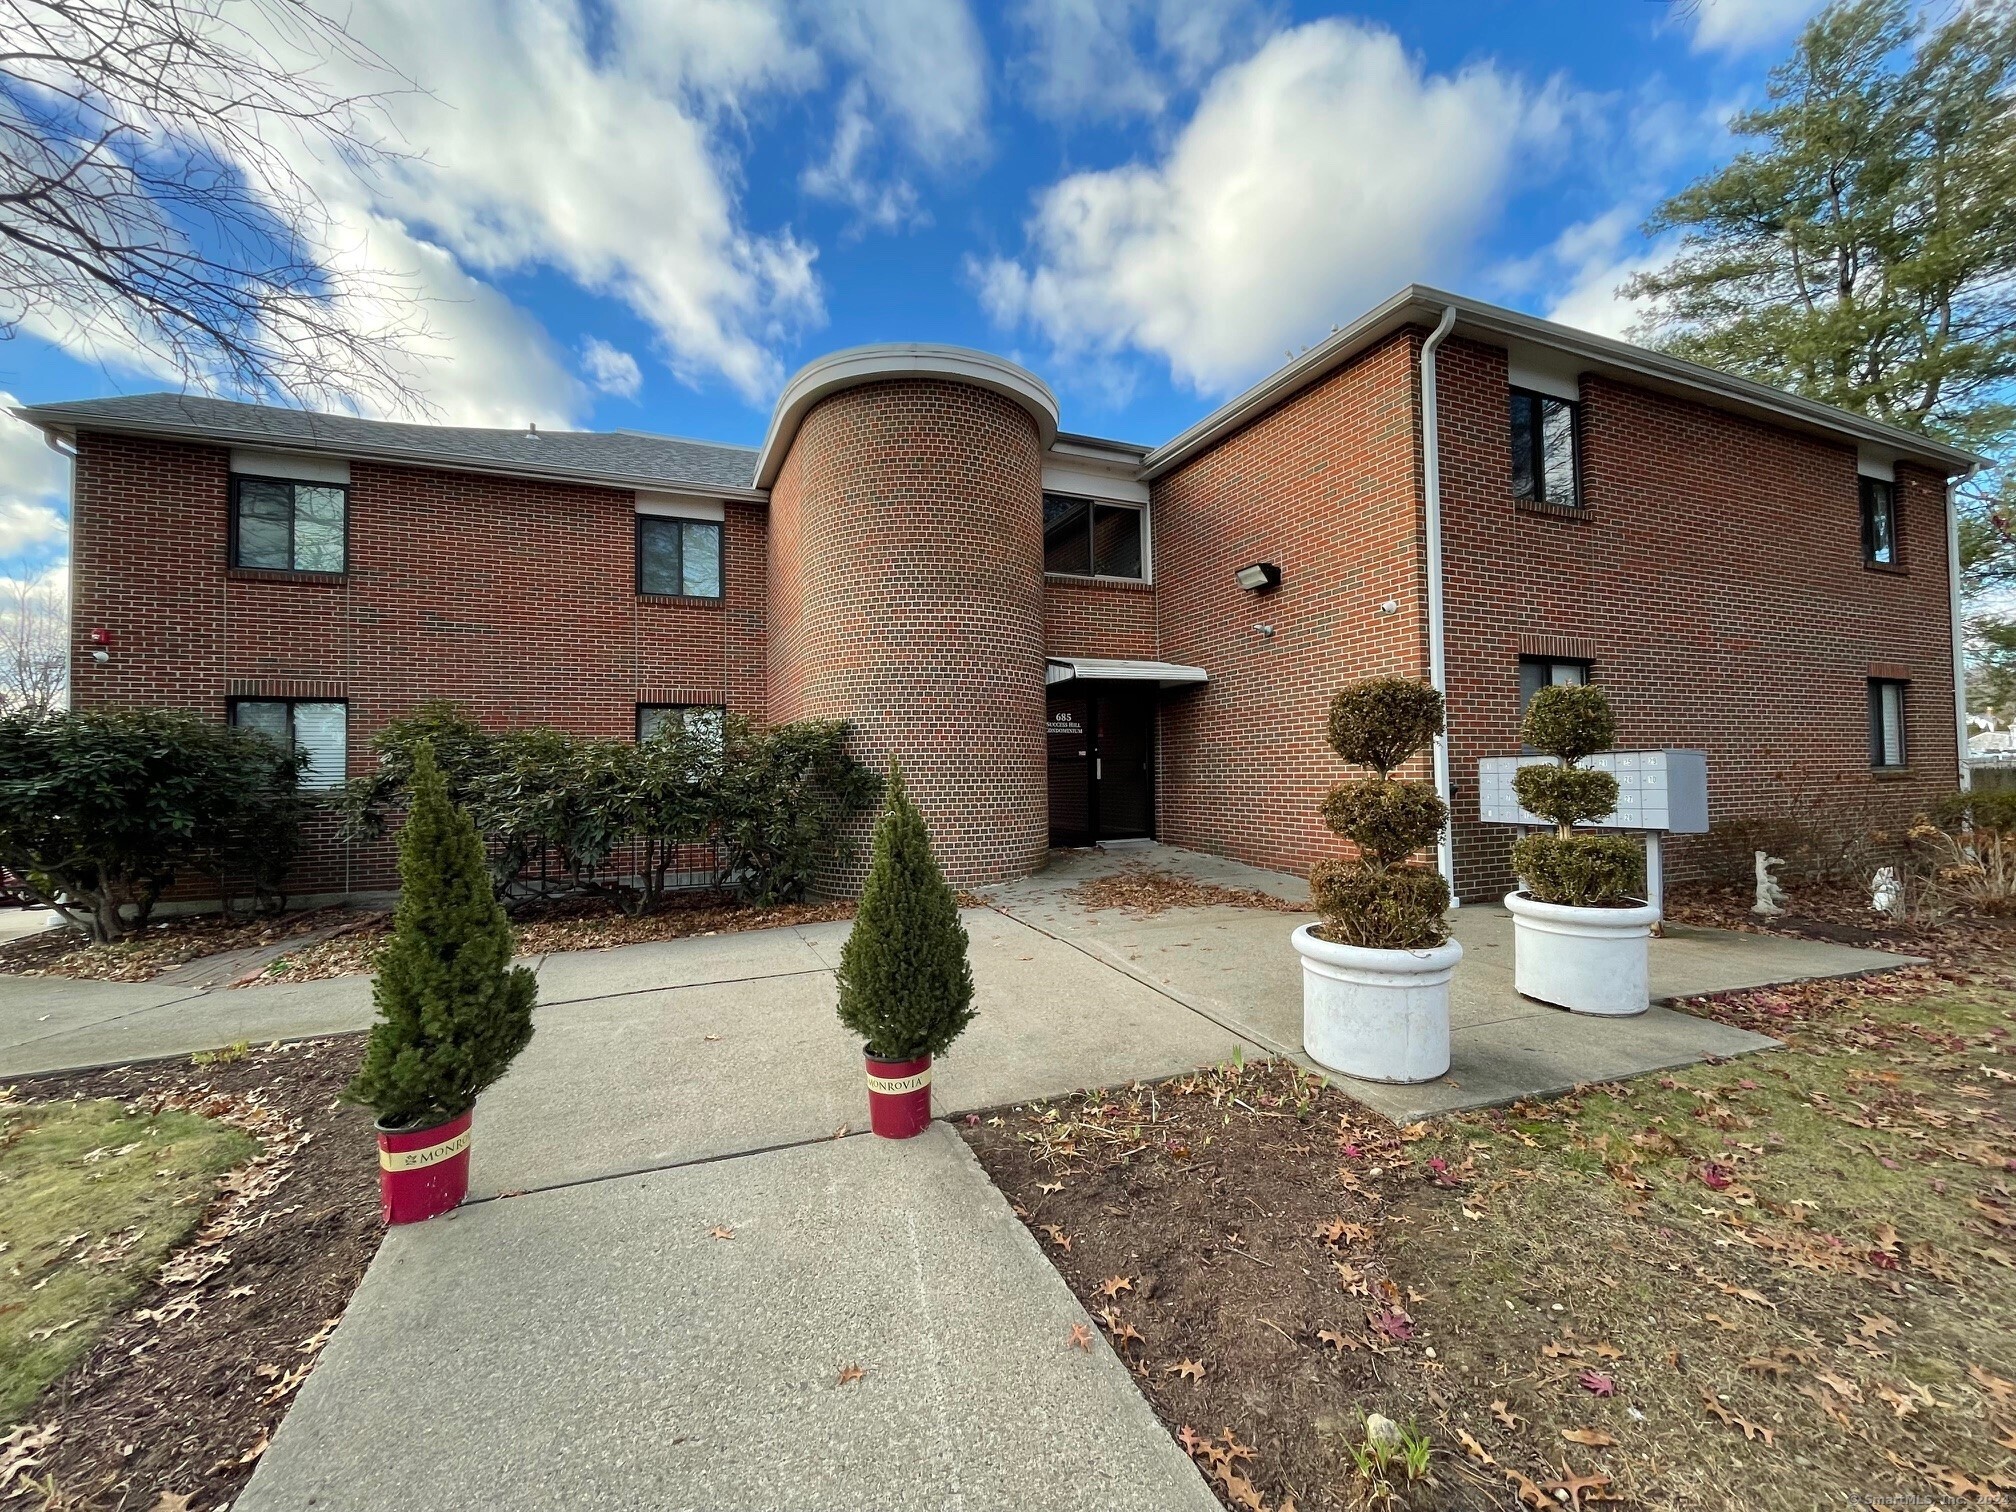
{"x":452,"y":1009}
{"x":905,"y":986}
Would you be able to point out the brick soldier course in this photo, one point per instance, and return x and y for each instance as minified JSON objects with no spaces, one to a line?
{"x":882,"y":560}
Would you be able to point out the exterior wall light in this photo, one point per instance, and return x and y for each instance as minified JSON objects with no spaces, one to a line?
{"x":1258,"y":577}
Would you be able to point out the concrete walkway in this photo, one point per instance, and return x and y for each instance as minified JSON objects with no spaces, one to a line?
{"x":593,"y":1347}
{"x":1236,"y":965}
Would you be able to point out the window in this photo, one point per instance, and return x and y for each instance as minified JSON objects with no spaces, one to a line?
{"x":1537,"y":672}
{"x":704,"y":720}
{"x":292,"y":526}
{"x":1887,"y":751}
{"x":1546,"y":445}
{"x":1089,"y":539}
{"x":319,"y":728}
{"x":1879,"y":522}
{"x":678,"y":558}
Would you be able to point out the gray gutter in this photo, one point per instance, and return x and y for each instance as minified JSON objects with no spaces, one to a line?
{"x":1418,"y":304}
{"x":51,"y":419}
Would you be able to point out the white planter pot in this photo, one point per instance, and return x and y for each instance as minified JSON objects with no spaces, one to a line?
{"x":1587,"y":960}
{"x":1379,"y":1015}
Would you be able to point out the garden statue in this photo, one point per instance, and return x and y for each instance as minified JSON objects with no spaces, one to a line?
{"x":1770,"y":896}
{"x":1886,"y":893}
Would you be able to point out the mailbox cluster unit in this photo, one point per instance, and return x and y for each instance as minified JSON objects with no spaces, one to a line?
{"x":1656,"y":790}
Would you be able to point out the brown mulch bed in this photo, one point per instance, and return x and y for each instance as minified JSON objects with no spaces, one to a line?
{"x":1220,"y":1227}
{"x":1149,"y":890}
{"x":176,"y":1401}
{"x":161,"y":946}
{"x":1842,"y":916}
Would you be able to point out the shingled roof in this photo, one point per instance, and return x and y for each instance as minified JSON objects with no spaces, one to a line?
{"x":627,"y":459}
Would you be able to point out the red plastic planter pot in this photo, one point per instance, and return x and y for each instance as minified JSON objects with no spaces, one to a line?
{"x":423,"y":1173}
{"x":899,"y":1096}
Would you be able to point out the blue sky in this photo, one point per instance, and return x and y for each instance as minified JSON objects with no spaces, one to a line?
{"x":630,"y":214}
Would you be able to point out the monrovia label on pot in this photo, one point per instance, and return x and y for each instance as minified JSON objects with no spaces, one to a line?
{"x":413,"y":1160}
{"x":890,"y":1086}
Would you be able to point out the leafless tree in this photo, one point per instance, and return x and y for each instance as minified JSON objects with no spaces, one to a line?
{"x":34,"y":644}
{"x":158,"y":168}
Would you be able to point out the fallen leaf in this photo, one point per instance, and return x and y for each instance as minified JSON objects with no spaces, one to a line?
{"x":849,"y":1374}
{"x":1752,"y":1432}
{"x":173,"y":1501}
{"x":1337,"y":1340}
{"x":1839,"y":1384}
{"x":1114,"y":1285}
{"x":1589,"y":1438}
{"x":720,"y":1231}
{"x":1504,"y":1414}
{"x":1192,"y":1370}
{"x":1081,"y":1338}
{"x":1596,"y":1383}
{"x":2001,"y":1390}
{"x":1472,"y":1448}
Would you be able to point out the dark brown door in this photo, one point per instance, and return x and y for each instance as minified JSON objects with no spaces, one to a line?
{"x":1102,"y":766}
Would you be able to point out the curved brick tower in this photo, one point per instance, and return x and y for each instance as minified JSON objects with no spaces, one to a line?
{"x":906,"y":586}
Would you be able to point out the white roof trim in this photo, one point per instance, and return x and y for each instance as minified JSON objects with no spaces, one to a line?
{"x":876,"y":364}
{"x":678,"y":506}
{"x":303,"y":467}
{"x":1101,"y":669}
{"x":1418,"y":304}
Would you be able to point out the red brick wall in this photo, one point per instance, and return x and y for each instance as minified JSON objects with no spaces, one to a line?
{"x":1717,"y":584}
{"x":1099,"y":619}
{"x":516,"y":598}
{"x":1325,"y":486}
{"x":907,"y":598}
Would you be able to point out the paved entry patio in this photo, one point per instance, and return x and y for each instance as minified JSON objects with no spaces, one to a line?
{"x":1236,"y":966}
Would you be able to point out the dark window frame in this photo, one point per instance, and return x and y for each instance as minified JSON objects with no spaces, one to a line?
{"x":1550,"y":662}
{"x":637,"y":729}
{"x":719,"y":527}
{"x":231,"y":718}
{"x":1865,"y":490}
{"x":1876,"y":761}
{"x":1539,"y":496}
{"x":1092,"y":507}
{"x":293,"y":512}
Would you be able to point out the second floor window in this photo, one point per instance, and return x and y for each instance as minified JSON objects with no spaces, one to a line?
{"x":288,"y":525}
{"x":1546,"y":447}
{"x":1089,"y":539}
{"x":678,"y":558}
{"x":1879,"y":522}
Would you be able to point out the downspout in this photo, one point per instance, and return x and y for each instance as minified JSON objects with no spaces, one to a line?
{"x":1959,"y":623}
{"x":1438,"y":671}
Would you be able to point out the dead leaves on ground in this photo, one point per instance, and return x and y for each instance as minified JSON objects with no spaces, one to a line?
{"x":1223,"y":1460}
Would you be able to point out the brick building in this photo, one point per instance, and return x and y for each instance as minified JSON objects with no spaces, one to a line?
{"x":1067,"y":639}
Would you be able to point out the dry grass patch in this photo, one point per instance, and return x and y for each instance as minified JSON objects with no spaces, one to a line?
{"x":1149,"y":890}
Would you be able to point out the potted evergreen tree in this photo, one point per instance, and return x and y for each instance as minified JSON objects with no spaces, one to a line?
{"x":452,"y":1009}
{"x":1581,"y":926}
{"x":905,"y":986}
{"x":1375,"y":971}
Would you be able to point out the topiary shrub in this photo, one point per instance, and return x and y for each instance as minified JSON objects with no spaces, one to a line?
{"x":1379,"y":901}
{"x":452,"y":1009}
{"x":905,"y":986}
{"x":1568,"y":722}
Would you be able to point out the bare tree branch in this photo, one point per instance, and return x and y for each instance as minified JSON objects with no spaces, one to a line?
{"x":34,"y":645}
{"x":159,"y":162}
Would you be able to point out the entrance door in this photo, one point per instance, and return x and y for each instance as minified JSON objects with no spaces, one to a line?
{"x":1102,"y":765}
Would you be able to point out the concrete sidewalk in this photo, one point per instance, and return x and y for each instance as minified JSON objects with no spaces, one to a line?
{"x":593,"y":1347}
{"x":1237,"y":966}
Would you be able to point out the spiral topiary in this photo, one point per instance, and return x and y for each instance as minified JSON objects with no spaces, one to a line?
{"x":1569,"y":721}
{"x":1378,"y":901}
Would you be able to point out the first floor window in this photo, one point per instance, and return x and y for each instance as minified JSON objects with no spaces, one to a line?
{"x":319,"y":727}
{"x":1086,"y":538}
{"x":678,"y":558}
{"x":1879,"y":522}
{"x":1537,"y":672}
{"x":1546,"y":445}
{"x":293,"y":526}
{"x":703,"y":720}
{"x":1886,"y":724}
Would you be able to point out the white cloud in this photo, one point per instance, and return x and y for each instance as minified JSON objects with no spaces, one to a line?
{"x":34,"y":490}
{"x":1314,"y":178}
{"x":611,"y":369}
{"x":1116,"y":58}
{"x":917,"y":82}
{"x":1739,"y":26}
{"x":1590,"y":263}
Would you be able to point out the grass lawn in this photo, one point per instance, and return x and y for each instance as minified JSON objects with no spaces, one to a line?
{"x":1772,"y":1284}
{"x":92,"y":1199}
